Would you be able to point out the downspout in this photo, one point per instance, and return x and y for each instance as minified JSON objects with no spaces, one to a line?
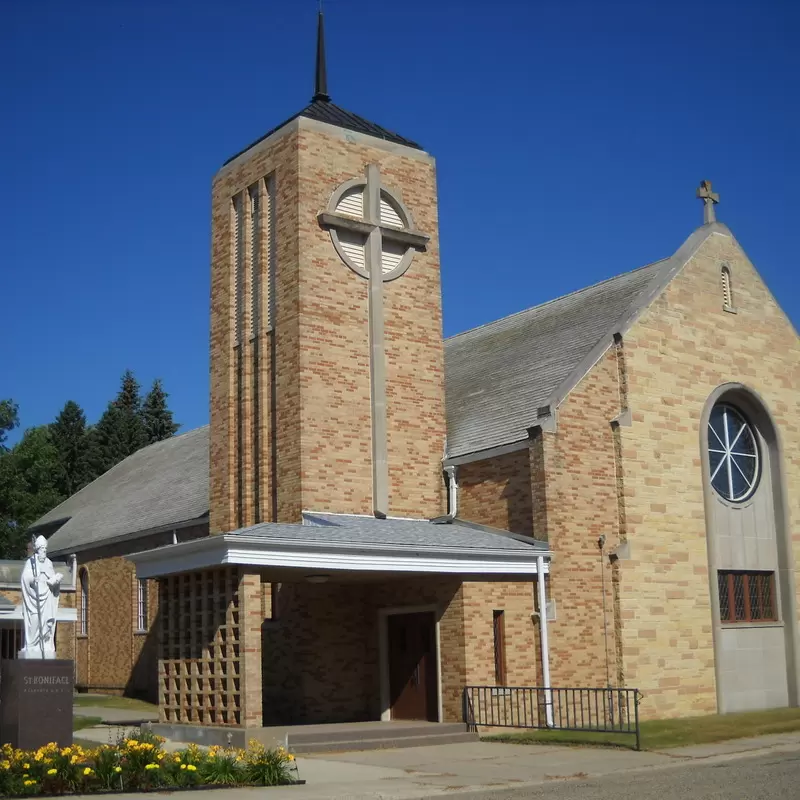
{"x":548,"y":695}
{"x":74,"y":567}
{"x":452,"y":492}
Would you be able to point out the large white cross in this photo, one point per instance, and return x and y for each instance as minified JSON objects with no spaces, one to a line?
{"x":375,"y":232}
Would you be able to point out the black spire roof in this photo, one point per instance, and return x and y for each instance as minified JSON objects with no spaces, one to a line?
{"x":323,"y":110}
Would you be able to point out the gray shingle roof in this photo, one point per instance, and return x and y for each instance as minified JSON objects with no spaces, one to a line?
{"x":402,"y":532}
{"x":345,"y":530}
{"x":162,"y":485}
{"x":326,"y":111}
{"x":498,"y":375}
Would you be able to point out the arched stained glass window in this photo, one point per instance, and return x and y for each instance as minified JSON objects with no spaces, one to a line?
{"x":733,"y":455}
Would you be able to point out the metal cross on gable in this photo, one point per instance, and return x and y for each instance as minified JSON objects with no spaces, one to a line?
{"x":374,"y":234}
{"x":710,"y":199}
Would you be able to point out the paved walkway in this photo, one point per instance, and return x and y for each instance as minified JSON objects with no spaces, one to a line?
{"x":119,"y":716}
{"x":482,"y":767}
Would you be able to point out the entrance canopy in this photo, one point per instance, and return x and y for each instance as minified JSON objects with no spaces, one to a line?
{"x":342,"y":543}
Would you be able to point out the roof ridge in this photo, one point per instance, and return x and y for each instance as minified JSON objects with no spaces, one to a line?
{"x":556,"y":299}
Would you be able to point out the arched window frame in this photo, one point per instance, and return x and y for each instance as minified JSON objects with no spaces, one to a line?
{"x":84,"y":602}
{"x":727,"y":289}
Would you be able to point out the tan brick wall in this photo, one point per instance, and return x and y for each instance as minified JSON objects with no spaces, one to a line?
{"x":115,"y":657}
{"x":322,"y":343}
{"x":681,"y":349}
{"x":497,"y":492}
{"x":581,"y":505}
{"x":515,"y":599}
{"x":334,"y":355}
{"x":321,"y":657}
{"x":280,"y":161}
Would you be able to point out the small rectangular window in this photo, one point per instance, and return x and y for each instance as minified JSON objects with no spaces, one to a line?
{"x":746,"y":596}
{"x":84,"y":621}
{"x":141,"y":605}
{"x":498,"y":621}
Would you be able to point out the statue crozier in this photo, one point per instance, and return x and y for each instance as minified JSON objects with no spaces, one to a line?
{"x":41,"y":585}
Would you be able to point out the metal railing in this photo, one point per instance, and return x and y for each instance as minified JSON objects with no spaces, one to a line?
{"x":553,"y":708}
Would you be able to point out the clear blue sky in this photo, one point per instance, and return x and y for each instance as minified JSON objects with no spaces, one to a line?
{"x":570,"y":136}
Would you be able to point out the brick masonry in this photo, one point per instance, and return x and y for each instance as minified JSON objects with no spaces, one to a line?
{"x":114,"y":656}
{"x":321,"y":654}
{"x":681,"y":349}
{"x":497,"y":492}
{"x":321,"y":358}
{"x":641,"y":485}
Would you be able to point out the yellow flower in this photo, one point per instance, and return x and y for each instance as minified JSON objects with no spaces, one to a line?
{"x":87,"y":771}
{"x":151,"y":766}
{"x":191,"y":767}
{"x":6,"y":765}
{"x":66,"y":751}
{"x":52,"y":771}
{"x":177,"y":759}
{"x":26,"y":766}
{"x":183,"y":766}
{"x":290,"y":757}
{"x":117,"y":769}
{"x":29,"y":783}
{"x":73,"y":760}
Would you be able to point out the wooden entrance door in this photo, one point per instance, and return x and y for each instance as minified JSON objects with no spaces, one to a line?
{"x":412,"y":666}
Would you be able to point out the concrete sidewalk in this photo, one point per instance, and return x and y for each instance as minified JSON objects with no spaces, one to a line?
{"x":483,"y":767}
{"x":117,"y":716}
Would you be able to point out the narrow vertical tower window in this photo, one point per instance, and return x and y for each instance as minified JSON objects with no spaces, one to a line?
{"x":727,"y":289}
{"x":255,"y":259}
{"x":238,"y":268}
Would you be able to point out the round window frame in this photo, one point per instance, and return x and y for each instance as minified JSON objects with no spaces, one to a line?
{"x":393,"y":198}
{"x":757,"y":445}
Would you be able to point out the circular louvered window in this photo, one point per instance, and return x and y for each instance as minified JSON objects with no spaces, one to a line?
{"x":733,"y":456}
{"x":352,"y":243}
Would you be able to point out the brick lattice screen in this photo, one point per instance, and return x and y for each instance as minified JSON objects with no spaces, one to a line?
{"x":199,"y":663}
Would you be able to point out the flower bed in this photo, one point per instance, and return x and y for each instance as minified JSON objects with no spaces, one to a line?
{"x":139,"y":765}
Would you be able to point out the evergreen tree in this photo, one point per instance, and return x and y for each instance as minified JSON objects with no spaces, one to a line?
{"x":9,"y":420}
{"x":157,"y":417}
{"x":71,"y":442}
{"x":30,"y":472}
{"x":120,"y":432}
{"x":9,"y":481}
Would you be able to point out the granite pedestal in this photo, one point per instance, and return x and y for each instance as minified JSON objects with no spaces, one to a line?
{"x":36,"y":702}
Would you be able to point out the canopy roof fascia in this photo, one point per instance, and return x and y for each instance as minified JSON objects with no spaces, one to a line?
{"x":275,"y":551}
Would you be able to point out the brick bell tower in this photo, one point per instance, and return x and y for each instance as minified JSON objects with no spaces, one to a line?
{"x":327,"y":383}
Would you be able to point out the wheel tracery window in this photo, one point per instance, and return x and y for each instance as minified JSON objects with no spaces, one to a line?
{"x":733,"y":455}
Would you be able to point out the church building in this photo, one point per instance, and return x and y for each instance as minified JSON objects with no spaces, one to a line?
{"x":602,"y":490}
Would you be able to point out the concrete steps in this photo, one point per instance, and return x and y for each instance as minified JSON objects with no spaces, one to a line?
{"x":377,"y":737}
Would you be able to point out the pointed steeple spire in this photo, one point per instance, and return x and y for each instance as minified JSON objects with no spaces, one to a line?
{"x":321,"y":74}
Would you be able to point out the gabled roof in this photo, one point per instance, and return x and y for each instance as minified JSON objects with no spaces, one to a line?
{"x":161,"y":486}
{"x":325,"y":111}
{"x":497,"y":376}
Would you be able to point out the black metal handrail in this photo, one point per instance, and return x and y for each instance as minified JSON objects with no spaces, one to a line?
{"x":591,"y":710}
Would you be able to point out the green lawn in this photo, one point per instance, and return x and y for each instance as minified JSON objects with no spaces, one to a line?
{"x":79,"y":723}
{"x":665,"y":733}
{"x":106,"y":701}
